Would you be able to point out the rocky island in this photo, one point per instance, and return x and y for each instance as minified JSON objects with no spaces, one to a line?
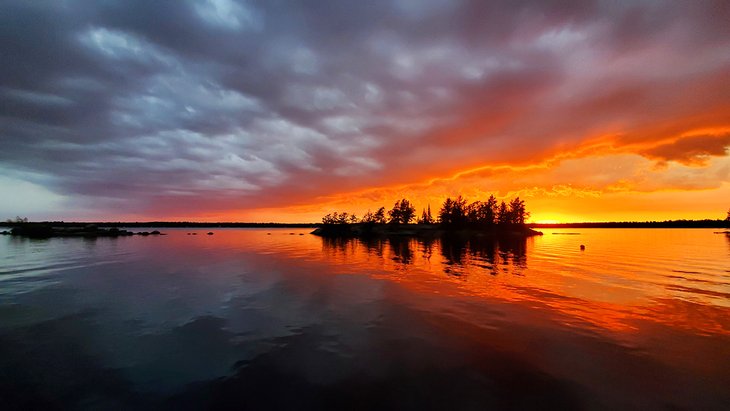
{"x":46,"y":230}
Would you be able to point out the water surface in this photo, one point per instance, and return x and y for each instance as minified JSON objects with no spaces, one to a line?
{"x":280,"y":319}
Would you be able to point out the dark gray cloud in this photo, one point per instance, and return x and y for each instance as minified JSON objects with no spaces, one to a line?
{"x":147,"y":108}
{"x":691,"y":150}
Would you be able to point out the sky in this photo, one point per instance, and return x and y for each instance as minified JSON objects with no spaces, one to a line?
{"x":243,"y":110}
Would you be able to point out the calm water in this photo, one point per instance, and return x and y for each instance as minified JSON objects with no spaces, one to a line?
{"x":265,"y":319}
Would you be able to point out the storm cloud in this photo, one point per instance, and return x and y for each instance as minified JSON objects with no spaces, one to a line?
{"x":139,"y":108}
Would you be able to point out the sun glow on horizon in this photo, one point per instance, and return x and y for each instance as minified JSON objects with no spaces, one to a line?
{"x":547,"y":222}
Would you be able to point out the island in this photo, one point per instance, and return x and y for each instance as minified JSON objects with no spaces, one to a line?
{"x":46,"y":230}
{"x":456,"y":217}
{"x":421,"y":230}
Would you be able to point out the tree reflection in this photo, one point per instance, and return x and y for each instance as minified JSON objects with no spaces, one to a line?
{"x":373,"y":245}
{"x":401,"y":248}
{"x":455,"y":255}
{"x":481,"y":252}
{"x":336,"y":245}
{"x":426,"y":245}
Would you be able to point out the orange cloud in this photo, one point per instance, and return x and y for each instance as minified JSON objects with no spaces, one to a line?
{"x":592,"y":188}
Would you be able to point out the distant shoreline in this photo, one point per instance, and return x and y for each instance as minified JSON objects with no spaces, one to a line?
{"x":641,"y":224}
{"x":165,"y":224}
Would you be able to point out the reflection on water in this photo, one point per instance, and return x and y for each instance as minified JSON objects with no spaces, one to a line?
{"x":457,"y":255}
{"x":261,"y":319}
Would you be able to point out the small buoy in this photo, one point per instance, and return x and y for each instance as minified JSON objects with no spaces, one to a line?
{"x":582,"y":247}
{"x":210,"y":233}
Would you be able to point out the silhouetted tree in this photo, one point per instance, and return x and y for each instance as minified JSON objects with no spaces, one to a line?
{"x":379,"y":216}
{"x":368,"y":217}
{"x":402,"y":213}
{"x":480,"y":212}
{"x":453,"y":212}
{"x":446,"y":211}
{"x":517,"y":212}
{"x":503,"y":215}
{"x":426,"y":217}
{"x":330,"y":218}
{"x":728,"y":215}
{"x":339,"y":218}
{"x":18,"y":220}
{"x":492,"y":208}
{"x":472,"y":211}
{"x":343,"y":218}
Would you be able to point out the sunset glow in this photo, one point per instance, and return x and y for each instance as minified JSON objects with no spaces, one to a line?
{"x":259,"y":111}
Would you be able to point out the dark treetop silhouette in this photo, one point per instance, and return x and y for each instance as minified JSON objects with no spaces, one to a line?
{"x":456,"y":216}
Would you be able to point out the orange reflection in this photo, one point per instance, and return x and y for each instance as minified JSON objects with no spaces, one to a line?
{"x":623,"y":281}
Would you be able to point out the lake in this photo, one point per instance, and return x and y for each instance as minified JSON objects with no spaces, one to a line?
{"x":280,"y":319}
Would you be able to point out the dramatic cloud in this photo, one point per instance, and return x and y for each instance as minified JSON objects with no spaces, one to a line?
{"x":692,"y":150}
{"x":261,"y":110}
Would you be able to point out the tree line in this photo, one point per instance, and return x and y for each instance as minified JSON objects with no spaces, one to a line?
{"x":17,"y":220}
{"x":453,"y":212}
